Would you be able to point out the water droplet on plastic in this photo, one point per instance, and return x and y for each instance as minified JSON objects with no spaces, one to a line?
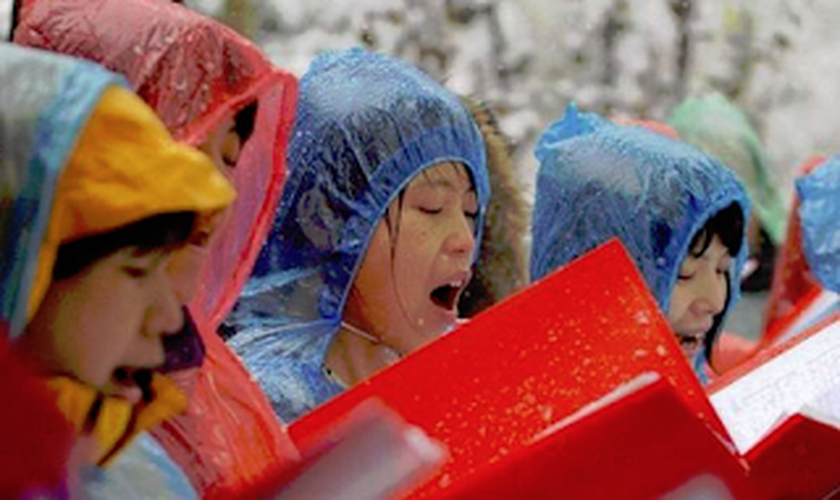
{"x":642,"y":318}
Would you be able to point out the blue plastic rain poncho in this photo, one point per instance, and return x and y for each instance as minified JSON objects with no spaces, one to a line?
{"x":819,"y":210}
{"x":598,"y":180}
{"x":366,"y":126}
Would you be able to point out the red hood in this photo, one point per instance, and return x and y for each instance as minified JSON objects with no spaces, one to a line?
{"x":792,"y":280}
{"x":193,"y":87}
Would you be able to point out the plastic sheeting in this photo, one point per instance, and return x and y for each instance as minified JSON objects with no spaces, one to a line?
{"x":366,"y":126}
{"x":819,"y":212}
{"x":718,"y":128}
{"x":82,"y":156}
{"x":196,"y":73}
{"x":35,"y":91}
{"x":793,"y":282}
{"x":598,"y":180}
{"x":146,"y":461}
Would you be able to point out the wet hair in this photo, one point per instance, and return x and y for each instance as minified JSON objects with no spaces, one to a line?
{"x":162,"y":233}
{"x":728,"y":225}
{"x":245,"y":121}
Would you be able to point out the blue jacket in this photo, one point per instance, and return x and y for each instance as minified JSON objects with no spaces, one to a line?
{"x":366,"y":125}
{"x":598,"y":180}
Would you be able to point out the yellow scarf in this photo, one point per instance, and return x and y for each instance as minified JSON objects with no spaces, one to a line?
{"x":113,"y":421}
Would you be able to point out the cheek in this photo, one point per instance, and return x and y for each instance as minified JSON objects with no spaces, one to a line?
{"x":90,"y":329}
{"x":680,"y":298}
{"x":373,"y":280}
{"x":413,"y":257}
{"x":184,"y":269}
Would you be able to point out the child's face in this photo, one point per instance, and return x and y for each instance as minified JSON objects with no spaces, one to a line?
{"x":699,"y":295}
{"x":104,"y":324}
{"x":409,"y":283}
{"x":224,"y":146}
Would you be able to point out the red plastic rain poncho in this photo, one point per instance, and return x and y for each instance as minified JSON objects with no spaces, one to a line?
{"x":196,"y":73}
{"x":794,"y":287}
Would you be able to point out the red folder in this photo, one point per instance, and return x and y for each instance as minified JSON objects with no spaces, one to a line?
{"x":642,"y":441}
{"x":487,"y":389}
{"x":799,"y":457}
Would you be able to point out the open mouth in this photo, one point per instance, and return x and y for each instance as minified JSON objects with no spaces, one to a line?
{"x":133,"y":384}
{"x":446,"y":296}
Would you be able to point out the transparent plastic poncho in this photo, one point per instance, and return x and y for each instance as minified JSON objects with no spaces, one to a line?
{"x":598,"y":180}
{"x":366,"y":126}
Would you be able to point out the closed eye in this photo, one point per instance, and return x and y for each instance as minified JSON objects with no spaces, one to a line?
{"x":136,"y":272}
{"x":230,"y":162}
{"x":430,"y":211}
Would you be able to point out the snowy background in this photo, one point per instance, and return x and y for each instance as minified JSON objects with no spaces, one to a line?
{"x":777,"y":59}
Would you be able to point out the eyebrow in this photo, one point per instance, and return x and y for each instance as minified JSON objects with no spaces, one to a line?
{"x":446,"y":184}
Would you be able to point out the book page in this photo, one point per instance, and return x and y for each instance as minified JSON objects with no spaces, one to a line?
{"x":806,"y":374}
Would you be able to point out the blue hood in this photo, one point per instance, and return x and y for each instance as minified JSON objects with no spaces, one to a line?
{"x":45,"y":102}
{"x":819,"y":211}
{"x":598,"y":180}
{"x":366,"y":125}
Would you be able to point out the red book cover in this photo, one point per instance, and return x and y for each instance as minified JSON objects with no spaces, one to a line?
{"x":782,"y":410}
{"x":487,"y":389}
{"x":800,"y":459}
{"x":640,"y":441}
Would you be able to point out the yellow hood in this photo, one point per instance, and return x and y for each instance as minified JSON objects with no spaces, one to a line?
{"x":125,"y":168}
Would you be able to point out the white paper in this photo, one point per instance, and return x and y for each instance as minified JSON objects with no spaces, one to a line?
{"x":808,"y":374}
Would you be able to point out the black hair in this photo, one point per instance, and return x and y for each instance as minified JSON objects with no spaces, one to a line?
{"x":245,"y":121}
{"x":728,"y":225}
{"x":164,"y":232}
{"x":15,"y":18}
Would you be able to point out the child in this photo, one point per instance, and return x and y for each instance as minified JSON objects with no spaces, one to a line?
{"x":214,"y":90}
{"x":96,"y":198}
{"x":375,"y":234}
{"x":679,"y":213}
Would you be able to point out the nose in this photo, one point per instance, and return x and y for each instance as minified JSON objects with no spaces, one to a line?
{"x":712,"y":294}
{"x":461,"y":236}
{"x":166,"y":315}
